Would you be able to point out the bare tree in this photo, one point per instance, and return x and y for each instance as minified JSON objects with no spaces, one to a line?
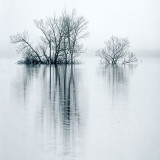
{"x":60,"y":41}
{"x":75,"y":30}
{"x":129,"y":58}
{"x":42,"y":48}
{"x":116,"y":50}
{"x":25,"y":46}
{"x":57,"y":33}
{"x":43,"y":27}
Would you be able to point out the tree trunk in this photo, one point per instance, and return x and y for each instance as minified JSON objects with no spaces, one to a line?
{"x":50,"y":49}
{"x":71,"y":58}
{"x":65,"y":58}
{"x":33,"y":51}
{"x":55,"y":59}
{"x":113,"y":62}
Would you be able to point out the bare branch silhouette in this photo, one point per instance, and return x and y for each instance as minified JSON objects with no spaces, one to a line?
{"x":116,"y":50}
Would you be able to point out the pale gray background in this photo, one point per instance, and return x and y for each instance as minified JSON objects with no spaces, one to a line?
{"x":139,"y":20}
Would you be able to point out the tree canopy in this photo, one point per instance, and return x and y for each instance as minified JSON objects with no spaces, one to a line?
{"x":116,"y":50}
{"x":60,"y":40}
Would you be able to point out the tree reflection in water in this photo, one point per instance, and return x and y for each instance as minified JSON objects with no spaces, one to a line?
{"x":117,"y":79}
{"x":63,"y":101}
{"x":52,"y":93}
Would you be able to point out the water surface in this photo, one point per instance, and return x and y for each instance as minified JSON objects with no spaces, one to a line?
{"x":80,"y":112}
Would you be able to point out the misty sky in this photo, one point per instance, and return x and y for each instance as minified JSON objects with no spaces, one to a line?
{"x":139,"y":20}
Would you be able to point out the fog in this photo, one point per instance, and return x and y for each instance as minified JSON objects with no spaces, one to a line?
{"x":85,"y":111}
{"x":139,"y":20}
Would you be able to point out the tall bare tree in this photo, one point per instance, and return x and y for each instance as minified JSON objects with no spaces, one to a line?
{"x":43,"y":27}
{"x":60,"y":41}
{"x":57,"y":33}
{"x":75,"y":30}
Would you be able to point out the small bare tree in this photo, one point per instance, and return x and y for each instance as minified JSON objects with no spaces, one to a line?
{"x":116,"y":50}
{"x":129,"y":58}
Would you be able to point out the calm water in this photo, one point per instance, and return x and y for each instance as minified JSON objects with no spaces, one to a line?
{"x":84,"y":112}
